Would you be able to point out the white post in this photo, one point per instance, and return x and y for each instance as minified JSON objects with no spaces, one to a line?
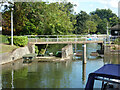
{"x":84,"y":53}
{"x":67,"y":38}
{"x":108,"y":37}
{"x":46,"y":39}
{"x":75,"y":47}
{"x":12,"y":82}
{"x":107,"y":28}
{"x":12,"y":27}
{"x":36,"y":40}
{"x":57,"y":38}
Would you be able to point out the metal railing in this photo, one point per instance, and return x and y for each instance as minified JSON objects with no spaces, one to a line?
{"x":65,"y":36}
{"x":110,"y":39}
{"x":62,"y":39}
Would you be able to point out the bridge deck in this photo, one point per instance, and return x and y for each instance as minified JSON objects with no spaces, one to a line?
{"x":67,"y":42}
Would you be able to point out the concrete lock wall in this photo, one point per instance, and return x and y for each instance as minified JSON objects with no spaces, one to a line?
{"x":67,"y":51}
{"x":16,"y":54}
{"x":109,"y":51}
{"x":31,"y":48}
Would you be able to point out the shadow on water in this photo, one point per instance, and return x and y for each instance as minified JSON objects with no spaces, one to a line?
{"x":53,"y":75}
{"x":112,"y":59}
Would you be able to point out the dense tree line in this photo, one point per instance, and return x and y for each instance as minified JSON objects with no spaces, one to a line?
{"x":56,"y":19}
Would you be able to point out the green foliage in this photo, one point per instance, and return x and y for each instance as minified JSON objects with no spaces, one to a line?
{"x":98,"y":33}
{"x":80,"y":25}
{"x":3,"y":39}
{"x":39,"y":18}
{"x":7,"y":48}
{"x":42,"y":52}
{"x":36,"y":50}
{"x":19,"y":40}
{"x":6,"y":23}
{"x":106,"y":14}
{"x":95,"y":18}
{"x":102,"y":26}
{"x":117,"y":41}
{"x":91,"y":27}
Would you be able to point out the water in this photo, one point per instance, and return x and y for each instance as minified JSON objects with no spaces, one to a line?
{"x":53,"y":75}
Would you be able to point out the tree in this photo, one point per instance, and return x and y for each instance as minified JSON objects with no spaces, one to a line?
{"x":106,"y":14}
{"x":95,"y":18}
{"x":6,"y":17}
{"x":80,"y":25}
{"x":6,"y":23}
{"x":41,"y":18}
{"x":57,"y":21}
{"x":102,"y":26}
{"x":91,"y":27}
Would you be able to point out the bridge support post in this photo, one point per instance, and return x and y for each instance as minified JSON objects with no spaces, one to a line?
{"x":83,"y":73}
{"x":75,"y":47}
{"x":84,"y":53}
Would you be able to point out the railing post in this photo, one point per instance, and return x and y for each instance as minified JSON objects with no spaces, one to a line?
{"x":57,"y":38}
{"x":46,"y":39}
{"x":36,"y":39}
{"x":67,"y":38}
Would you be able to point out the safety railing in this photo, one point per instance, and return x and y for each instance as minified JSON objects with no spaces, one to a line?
{"x":63,"y":39}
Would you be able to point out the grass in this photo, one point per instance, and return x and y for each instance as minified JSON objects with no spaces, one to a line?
{"x":7,"y":48}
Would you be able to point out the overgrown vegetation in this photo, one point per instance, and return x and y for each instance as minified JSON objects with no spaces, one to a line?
{"x":7,"y":48}
{"x":19,"y":40}
{"x":36,"y":50}
{"x":117,"y":41}
{"x":3,"y":39}
{"x":40,"y":49}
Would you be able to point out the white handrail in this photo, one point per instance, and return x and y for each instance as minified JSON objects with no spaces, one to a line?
{"x":61,"y":39}
{"x":102,"y":35}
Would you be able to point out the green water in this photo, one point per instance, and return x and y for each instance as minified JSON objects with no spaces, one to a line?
{"x":53,"y":75}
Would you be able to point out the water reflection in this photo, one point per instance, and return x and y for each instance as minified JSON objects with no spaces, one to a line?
{"x":84,"y":73}
{"x":53,"y":75}
{"x":0,"y":77}
{"x":112,"y":59}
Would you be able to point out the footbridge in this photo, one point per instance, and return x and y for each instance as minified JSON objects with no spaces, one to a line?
{"x":65,"y":39}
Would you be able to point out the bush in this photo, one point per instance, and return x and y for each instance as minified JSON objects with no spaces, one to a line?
{"x":3,"y":39}
{"x":36,"y":50}
{"x":117,"y":41}
{"x":19,"y":40}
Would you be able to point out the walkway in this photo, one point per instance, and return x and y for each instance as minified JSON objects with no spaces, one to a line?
{"x":65,"y":39}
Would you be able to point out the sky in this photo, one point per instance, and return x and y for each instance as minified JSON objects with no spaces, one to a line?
{"x":88,"y":5}
{"x":92,"y":5}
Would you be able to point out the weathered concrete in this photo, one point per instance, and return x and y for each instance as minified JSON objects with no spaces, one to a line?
{"x":110,"y":49}
{"x":16,"y":54}
{"x":31,"y":47}
{"x":53,"y":59}
{"x":67,"y":51}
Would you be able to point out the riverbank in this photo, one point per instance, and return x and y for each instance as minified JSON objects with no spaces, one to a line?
{"x":14,"y":54}
{"x":7,"y":48}
{"x":18,"y":53}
